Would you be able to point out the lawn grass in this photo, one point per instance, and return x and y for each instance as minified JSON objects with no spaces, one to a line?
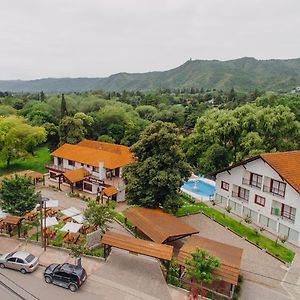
{"x":36,"y":163}
{"x":260,"y":240}
{"x":122,"y":219}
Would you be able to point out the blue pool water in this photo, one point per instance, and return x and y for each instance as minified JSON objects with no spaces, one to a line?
{"x":199,"y":187}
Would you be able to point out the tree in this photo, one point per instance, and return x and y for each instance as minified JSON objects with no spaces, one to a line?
{"x":18,"y":139}
{"x":200,"y":267}
{"x":71,"y":130}
{"x":154,"y":180}
{"x":63,"y":107}
{"x":18,"y":195}
{"x":76,"y":252}
{"x":98,"y":215}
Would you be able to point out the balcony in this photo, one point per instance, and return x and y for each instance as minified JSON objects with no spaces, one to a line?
{"x":57,"y":168}
{"x":246,"y":181}
{"x":238,"y":196}
{"x":274,"y":191}
{"x":284,"y":215}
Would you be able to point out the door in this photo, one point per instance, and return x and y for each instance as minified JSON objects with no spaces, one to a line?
{"x":11,"y":263}
{"x":20,"y":264}
{"x":61,"y":279}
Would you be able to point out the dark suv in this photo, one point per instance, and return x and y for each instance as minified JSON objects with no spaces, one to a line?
{"x":66,"y":275}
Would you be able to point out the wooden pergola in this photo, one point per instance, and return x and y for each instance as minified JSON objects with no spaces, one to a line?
{"x":35,"y":176}
{"x":73,"y":177}
{"x":136,"y":246}
{"x":158,"y":225}
{"x":12,"y":221}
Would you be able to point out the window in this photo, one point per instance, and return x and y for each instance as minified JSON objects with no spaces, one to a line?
{"x":20,"y":261}
{"x":243,"y":193}
{"x":71,"y":163}
{"x":11,"y":260}
{"x":95,"y":169}
{"x":288,"y":212}
{"x":225,"y":186}
{"x":87,"y":186}
{"x":88,"y":166}
{"x":82,"y":164}
{"x":255,"y":180}
{"x":260,"y":200}
{"x":277,"y":187}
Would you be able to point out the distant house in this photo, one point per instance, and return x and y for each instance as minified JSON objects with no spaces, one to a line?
{"x":95,"y":167}
{"x":266,"y":188}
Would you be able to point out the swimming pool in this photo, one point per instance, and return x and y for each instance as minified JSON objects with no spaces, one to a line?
{"x":199,"y":188}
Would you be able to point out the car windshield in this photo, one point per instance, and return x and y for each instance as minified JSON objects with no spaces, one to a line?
{"x":10,"y":254}
{"x":29,"y":258}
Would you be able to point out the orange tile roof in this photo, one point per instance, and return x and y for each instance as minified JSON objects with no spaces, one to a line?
{"x":27,"y":173}
{"x":113,"y":156}
{"x":76,"y":175}
{"x":139,"y":246}
{"x":229,"y":256}
{"x":287,"y":165}
{"x":110,"y":191}
{"x":157,"y":224}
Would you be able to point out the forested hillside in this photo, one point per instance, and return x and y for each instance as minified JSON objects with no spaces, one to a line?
{"x":215,"y":128}
{"x":243,"y":74}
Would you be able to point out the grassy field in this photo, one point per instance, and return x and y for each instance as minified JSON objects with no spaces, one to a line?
{"x":242,"y":230}
{"x":36,"y":163}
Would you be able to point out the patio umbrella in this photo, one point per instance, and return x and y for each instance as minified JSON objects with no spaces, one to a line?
{"x":78,"y":218}
{"x":70,"y":212}
{"x":50,"y":203}
{"x":71,"y":227}
{"x":50,"y":221}
{"x":3,"y":214}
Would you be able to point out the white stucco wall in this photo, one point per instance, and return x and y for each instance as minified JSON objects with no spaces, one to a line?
{"x":292,"y":198}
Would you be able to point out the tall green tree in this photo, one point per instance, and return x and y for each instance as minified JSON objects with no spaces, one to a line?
{"x":17,"y":195}
{"x":98,"y":215}
{"x":154,"y":180}
{"x":63,"y":107}
{"x":71,"y":130}
{"x":18,"y":139}
{"x":200,"y":267}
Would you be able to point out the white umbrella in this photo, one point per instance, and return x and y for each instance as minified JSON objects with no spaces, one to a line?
{"x":70,"y":212}
{"x":50,"y":221}
{"x":71,"y":227}
{"x":3,"y":214}
{"x":78,"y":218}
{"x":49,"y":204}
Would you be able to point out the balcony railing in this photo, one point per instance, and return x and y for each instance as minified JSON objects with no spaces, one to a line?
{"x":274,"y":191}
{"x":238,"y":196}
{"x":288,"y":216}
{"x":246,"y":181}
{"x":58,"y":168}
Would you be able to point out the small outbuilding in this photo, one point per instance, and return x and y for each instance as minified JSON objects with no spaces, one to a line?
{"x":229,"y":256}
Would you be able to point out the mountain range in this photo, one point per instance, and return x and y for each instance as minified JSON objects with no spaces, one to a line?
{"x":245,"y":74}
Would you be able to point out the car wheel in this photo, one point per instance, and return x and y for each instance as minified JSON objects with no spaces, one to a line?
{"x":48,"y":279}
{"x":73,"y":287}
{"x":23,"y":271}
{"x":2,"y":266}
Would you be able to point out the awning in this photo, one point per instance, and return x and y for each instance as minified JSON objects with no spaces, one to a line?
{"x":70,"y":212}
{"x":50,"y":221}
{"x":71,"y":227}
{"x":110,"y":191}
{"x":76,"y":175}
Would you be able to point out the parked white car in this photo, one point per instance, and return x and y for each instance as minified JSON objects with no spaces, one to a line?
{"x":19,"y":260}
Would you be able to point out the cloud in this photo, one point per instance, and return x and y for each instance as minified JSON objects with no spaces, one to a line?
{"x":69,"y":38}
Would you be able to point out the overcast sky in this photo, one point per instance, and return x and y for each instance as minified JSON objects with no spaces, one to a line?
{"x":96,"y":38}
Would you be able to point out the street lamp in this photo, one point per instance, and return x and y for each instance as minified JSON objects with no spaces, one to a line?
{"x":43,"y":200}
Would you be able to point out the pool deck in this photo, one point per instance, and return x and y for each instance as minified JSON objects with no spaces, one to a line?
{"x":195,"y":195}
